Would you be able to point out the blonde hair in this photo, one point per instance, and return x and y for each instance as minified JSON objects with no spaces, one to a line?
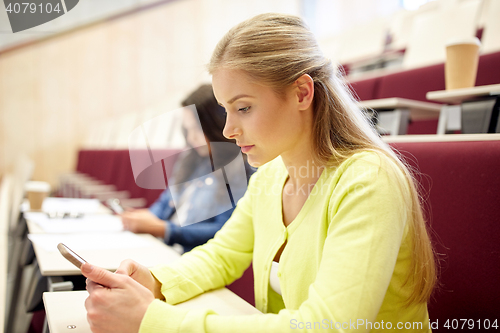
{"x":276,"y":50}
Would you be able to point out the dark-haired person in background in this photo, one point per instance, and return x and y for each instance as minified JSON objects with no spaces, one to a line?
{"x":194,"y":199}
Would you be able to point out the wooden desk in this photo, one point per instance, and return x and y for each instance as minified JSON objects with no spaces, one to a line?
{"x":35,"y":228}
{"x":418,"y":110}
{"x":71,"y":203}
{"x":52,"y":263}
{"x":441,"y":138}
{"x":456,"y":96}
{"x":67,"y":309}
{"x":398,"y":111}
{"x":476,"y":114}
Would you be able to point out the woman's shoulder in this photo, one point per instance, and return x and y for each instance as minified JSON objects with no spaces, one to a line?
{"x":366,"y":157}
{"x":368,"y":163}
{"x":362,"y":158}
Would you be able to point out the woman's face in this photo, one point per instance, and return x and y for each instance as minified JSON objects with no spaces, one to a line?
{"x":194,"y":133}
{"x":263,"y":124}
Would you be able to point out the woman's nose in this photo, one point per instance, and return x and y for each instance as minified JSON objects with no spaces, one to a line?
{"x":231,"y":129}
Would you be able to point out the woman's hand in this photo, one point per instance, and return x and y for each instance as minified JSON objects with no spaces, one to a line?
{"x":142,"y":275}
{"x":143,"y":221}
{"x":117,"y":303}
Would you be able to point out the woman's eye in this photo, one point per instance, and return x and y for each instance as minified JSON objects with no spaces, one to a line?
{"x":244,"y":109}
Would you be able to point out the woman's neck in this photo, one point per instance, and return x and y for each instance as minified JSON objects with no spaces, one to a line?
{"x":301,"y":166}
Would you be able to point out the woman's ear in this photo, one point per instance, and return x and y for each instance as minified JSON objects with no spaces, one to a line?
{"x":305,"y":91}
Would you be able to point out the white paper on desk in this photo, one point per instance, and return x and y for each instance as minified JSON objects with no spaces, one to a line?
{"x":92,"y":241}
{"x":69,"y":205}
{"x":85,"y":206}
{"x":88,"y":223}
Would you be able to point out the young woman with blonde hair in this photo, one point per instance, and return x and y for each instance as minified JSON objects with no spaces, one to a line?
{"x":331,"y":220}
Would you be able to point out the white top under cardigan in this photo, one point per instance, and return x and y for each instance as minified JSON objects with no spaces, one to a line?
{"x":274,"y":280}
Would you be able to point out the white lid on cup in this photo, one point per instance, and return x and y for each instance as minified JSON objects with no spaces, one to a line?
{"x":464,"y":40}
{"x":36,"y":186}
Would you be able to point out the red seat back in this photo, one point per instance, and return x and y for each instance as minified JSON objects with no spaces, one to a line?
{"x":462,"y":180}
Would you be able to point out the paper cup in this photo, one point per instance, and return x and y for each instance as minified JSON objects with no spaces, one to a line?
{"x":462,"y":57}
{"x":37,"y":192}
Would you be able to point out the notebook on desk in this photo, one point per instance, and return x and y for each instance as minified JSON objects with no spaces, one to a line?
{"x":65,"y":310}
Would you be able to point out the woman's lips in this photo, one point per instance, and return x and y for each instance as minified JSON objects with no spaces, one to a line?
{"x":246,"y":149}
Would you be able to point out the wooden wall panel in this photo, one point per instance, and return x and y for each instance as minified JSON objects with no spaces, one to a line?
{"x":54,"y":92}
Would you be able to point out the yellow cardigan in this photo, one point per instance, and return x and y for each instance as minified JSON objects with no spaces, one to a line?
{"x":343,"y":267}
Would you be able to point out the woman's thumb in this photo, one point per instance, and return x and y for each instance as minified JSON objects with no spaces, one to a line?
{"x":100,"y":276}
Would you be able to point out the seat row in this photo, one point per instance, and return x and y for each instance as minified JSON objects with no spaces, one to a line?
{"x":415,"y":83}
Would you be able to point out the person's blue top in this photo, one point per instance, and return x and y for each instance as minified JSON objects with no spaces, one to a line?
{"x":191,"y":235}
{"x":200,"y":215}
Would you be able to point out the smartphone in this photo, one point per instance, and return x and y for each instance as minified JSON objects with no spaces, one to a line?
{"x":69,"y":254}
{"x":114,"y":204}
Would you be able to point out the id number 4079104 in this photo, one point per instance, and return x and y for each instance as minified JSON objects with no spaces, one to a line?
{"x":471,"y":324}
{"x":31,"y":7}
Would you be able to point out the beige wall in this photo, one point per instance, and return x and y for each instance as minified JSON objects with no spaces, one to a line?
{"x":53,"y":92}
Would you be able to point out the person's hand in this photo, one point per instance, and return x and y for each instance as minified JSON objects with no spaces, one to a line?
{"x":143,"y":221}
{"x":116,"y":302}
{"x":142,"y":275}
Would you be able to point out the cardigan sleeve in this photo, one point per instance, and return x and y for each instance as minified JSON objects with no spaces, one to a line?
{"x":215,"y":264}
{"x":367,"y":222}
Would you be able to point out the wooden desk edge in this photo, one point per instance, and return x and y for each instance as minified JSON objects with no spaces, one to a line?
{"x":459,"y":95}
{"x":397,"y":102}
{"x":441,"y":138}
{"x":71,"y":270}
{"x":418,"y":110}
{"x":74,"y":301}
